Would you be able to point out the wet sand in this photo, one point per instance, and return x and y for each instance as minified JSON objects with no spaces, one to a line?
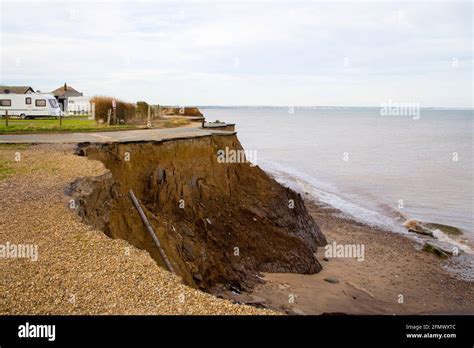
{"x":395,"y":277}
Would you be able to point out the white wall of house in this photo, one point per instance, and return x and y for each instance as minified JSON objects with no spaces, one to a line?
{"x":79,"y":105}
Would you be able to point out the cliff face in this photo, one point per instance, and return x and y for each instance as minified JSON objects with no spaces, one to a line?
{"x":219,"y":223}
{"x":185,"y":111}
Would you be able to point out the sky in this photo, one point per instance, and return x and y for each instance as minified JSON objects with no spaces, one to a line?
{"x":287,"y":53}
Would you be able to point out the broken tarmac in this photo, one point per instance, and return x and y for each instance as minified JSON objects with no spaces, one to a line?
{"x":114,"y":136}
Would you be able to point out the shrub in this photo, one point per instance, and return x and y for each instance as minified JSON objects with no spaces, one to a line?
{"x":142,"y":110}
{"x":124,"y":111}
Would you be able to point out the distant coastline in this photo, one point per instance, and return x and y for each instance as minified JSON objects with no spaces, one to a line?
{"x":321,"y":107}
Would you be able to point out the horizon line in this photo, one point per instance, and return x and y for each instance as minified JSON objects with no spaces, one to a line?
{"x":322,"y":106}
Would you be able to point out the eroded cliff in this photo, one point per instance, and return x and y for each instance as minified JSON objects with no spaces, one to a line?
{"x":219,"y":223}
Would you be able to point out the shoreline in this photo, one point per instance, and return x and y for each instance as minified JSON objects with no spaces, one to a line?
{"x":393,"y":271}
{"x":390,"y":218}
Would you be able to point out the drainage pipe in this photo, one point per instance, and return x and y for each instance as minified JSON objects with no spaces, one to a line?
{"x":148,"y":226}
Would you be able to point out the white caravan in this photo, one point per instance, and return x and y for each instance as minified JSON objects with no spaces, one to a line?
{"x":29,"y":105}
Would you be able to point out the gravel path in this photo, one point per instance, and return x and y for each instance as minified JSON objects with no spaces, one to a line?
{"x":79,"y":270}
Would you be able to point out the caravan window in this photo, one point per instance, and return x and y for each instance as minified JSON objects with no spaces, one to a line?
{"x":5,"y":102}
{"x":53,"y":103}
{"x":40,"y":102}
{"x":28,"y":101}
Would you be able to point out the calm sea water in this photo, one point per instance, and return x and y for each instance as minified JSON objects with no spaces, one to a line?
{"x":377,"y":169}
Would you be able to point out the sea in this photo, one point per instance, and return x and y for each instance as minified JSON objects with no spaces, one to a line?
{"x":377,"y":167}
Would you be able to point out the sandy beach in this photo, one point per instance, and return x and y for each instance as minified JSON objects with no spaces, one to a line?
{"x":392,"y":266}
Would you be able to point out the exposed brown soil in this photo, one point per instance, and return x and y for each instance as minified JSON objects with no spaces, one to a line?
{"x":185,"y":111}
{"x":220,"y":223}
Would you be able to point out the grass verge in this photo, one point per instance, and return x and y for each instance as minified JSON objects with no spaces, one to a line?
{"x":172,"y":123}
{"x":52,"y":125}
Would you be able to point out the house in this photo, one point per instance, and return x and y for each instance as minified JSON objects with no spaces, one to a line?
{"x":63,"y":93}
{"x":16,"y":89}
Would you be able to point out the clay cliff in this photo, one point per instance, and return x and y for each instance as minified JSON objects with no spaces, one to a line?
{"x":220,"y":224}
{"x":182,"y":111}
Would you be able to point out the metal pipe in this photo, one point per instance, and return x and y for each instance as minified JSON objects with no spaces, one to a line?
{"x":150,"y":230}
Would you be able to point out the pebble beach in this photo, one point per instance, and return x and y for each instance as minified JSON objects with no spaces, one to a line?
{"x":79,"y":270}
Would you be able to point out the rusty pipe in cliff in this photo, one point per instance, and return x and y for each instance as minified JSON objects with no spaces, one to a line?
{"x":150,"y":230}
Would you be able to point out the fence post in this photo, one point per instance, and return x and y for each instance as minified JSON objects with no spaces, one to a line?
{"x":109,"y":113}
{"x":149,"y":117}
{"x":6,"y":118}
{"x":93,"y":111}
{"x":114,"y":111}
{"x":60,"y":119}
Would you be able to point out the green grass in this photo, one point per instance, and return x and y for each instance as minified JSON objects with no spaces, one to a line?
{"x":14,"y":146}
{"x":73,"y":124}
{"x":178,"y":122}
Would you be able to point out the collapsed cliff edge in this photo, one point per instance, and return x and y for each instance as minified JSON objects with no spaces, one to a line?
{"x":220,"y":224}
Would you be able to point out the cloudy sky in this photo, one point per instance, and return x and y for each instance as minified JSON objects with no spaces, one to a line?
{"x":360,"y":53}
